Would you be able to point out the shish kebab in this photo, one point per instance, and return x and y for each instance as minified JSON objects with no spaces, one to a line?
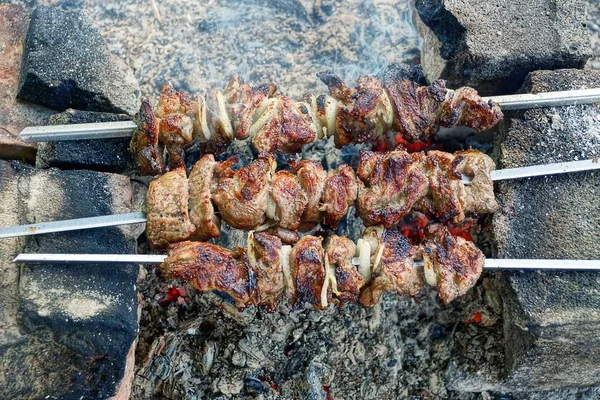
{"x":459,"y":181}
{"x":340,"y":271}
{"x":275,"y":123}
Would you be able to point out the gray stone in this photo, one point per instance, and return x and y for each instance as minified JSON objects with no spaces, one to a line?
{"x":109,"y":155}
{"x":551,"y":319}
{"x":70,"y":326}
{"x":66,"y":64}
{"x":492,"y":45}
{"x":15,"y":115}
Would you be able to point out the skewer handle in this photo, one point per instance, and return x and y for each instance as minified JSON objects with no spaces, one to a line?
{"x":73,"y":224}
{"x":90,"y":258}
{"x":545,"y":169}
{"x":98,"y":130}
{"x":490,"y":263}
{"x":548,"y":99}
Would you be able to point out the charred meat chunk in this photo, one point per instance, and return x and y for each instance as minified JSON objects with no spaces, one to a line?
{"x":445,"y":196}
{"x":177,"y":112}
{"x":167,"y":219}
{"x":288,"y":200}
{"x":209,"y":267}
{"x":451,"y":263}
{"x":264,"y":255}
{"x":348,"y":282}
{"x":202,"y":212}
{"x":308,"y":273}
{"x":479,"y":193}
{"x":394,"y":270}
{"x":339,"y":193}
{"x":311,"y":176}
{"x":242,"y":199}
{"x":144,"y":142}
{"x":389,"y":184}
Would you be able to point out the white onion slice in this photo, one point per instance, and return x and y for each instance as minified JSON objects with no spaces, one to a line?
{"x":331,"y":106}
{"x":363,"y":250}
{"x":206,"y":132}
{"x":224,"y":119}
{"x":430,"y":275}
{"x":290,"y":287}
{"x":271,"y":110}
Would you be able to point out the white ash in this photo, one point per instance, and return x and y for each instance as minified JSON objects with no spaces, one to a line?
{"x":200,"y":45}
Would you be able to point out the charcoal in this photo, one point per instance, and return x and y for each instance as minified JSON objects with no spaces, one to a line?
{"x":66,"y":64}
{"x":76,"y":323}
{"x":492,"y":45}
{"x":551,"y":319}
{"x":109,"y":155}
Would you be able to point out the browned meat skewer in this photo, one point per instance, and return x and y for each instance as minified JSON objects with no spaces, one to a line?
{"x":386,"y":187}
{"x":277,"y":124}
{"x":267,"y":271}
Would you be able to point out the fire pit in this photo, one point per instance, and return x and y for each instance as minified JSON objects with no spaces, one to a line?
{"x":502,"y":336}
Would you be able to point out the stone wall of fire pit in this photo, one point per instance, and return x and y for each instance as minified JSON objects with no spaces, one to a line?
{"x":492,"y":45}
{"x":66,"y":330}
{"x":551,"y":320}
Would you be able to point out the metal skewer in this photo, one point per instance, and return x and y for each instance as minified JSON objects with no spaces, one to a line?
{"x":103,"y":130}
{"x":490,"y":263}
{"x":138,"y":217}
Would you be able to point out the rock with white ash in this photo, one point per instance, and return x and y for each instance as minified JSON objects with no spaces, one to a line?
{"x":66,"y":64}
{"x":492,"y":45}
{"x":68,"y":329}
{"x":551,"y":319}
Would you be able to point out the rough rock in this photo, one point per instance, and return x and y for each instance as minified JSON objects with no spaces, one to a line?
{"x":66,"y":64}
{"x":551,"y":319}
{"x":110,"y":155}
{"x":492,"y":45}
{"x":14,"y":115}
{"x":70,"y":327}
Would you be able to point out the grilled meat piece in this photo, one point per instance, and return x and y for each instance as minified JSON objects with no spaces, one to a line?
{"x":172,"y":101}
{"x":363,"y":114}
{"x":287,"y":236}
{"x":479,"y":193}
{"x":445,"y":196}
{"x":339,"y":193}
{"x":242,"y":199}
{"x":245,"y":104}
{"x":348,"y":282}
{"x":464,"y":107}
{"x":389,"y":184}
{"x":297,"y":126}
{"x":166,"y":208}
{"x":210,"y":267}
{"x":284,"y":126}
{"x":416,"y":108}
{"x":144,"y":142}
{"x":175,"y":133}
{"x":178,"y":119}
{"x":311,"y":176}
{"x":451,"y":263}
{"x":421,"y":110}
{"x":264,"y":255}
{"x":288,"y":200}
{"x":202,"y":211}
{"x":308,"y":272}
{"x":395,"y":270}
